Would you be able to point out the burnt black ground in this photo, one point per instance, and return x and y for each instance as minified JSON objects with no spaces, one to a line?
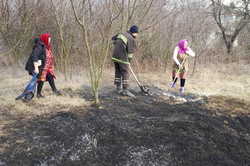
{"x":146,"y":131}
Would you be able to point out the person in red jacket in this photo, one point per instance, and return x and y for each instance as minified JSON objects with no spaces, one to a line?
{"x":46,"y":72}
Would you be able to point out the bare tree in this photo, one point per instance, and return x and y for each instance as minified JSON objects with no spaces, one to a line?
{"x":81,"y":37}
{"x":95,"y":20}
{"x":62,"y":16}
{"x":16,"y":27}
{"x":242,"y":13}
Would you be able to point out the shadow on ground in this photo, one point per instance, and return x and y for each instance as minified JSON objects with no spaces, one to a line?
{"x":146,"y":131}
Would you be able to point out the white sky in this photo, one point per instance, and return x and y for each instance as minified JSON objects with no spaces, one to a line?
{"x":236,"y":2}
{"x":227,"y":2}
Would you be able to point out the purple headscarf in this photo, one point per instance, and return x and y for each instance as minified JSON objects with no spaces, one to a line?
{"x":182,"y":50}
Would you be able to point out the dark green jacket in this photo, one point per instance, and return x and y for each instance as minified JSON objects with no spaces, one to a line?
{"x":124,"y":47}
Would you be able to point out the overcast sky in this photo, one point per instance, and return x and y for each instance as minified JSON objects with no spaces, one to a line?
{"x":227,"y":2}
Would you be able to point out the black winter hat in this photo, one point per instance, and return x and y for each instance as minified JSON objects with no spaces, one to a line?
{"x":134,"y":29}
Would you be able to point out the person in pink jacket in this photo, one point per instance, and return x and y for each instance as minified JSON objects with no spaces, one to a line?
{"x":180,"y":67}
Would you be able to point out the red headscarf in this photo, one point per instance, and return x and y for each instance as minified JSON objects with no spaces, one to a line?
{"x":45,"y":39}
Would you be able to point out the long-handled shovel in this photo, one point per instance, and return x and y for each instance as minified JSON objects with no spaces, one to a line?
{"x":144,"y":89}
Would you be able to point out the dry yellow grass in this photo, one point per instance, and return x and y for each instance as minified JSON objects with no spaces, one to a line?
{"x":231,"y":80}
{"x":226,"y":80}
{"x":12,"y":85}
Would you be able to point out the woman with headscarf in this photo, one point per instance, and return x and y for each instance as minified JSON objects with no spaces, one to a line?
{"x":180,"y":66}
{"x":46,"y":72}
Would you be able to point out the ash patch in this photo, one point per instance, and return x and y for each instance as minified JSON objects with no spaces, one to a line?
{"x":149,"y":130}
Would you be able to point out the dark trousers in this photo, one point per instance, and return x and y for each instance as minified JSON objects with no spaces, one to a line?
{"x":51,"y":81}
{"x":121,"y":75}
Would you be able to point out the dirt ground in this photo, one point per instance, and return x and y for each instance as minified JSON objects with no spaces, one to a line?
{"x":164,"y":129}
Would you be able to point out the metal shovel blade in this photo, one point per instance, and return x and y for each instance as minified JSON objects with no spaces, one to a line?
{"x":145,"y":90}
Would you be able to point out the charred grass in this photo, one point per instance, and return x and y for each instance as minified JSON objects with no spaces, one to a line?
{"x":148,"y":130}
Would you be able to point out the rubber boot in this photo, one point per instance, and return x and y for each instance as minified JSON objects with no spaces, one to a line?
{"x":182,"y":90}
{"x":39,"y":89}
{"x":53,"y":86}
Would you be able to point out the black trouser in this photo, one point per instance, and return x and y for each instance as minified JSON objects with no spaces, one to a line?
{"x":121,"y":75}
{"x":51,"y":81}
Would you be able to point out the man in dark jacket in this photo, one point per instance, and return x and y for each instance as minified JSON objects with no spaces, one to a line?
{"x":124,"y":48}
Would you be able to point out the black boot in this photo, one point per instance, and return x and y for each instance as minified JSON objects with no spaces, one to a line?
{"x":39,"y":89}
{"x":57,"y":92}
{"x":53,"y":86}
{"x":119,"y":88}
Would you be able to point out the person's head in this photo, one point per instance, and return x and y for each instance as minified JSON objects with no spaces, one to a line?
{"x":134,"y":30}
{"x":36,"y":40}
{"x":46,"y":39}
{"x":183,"y":44}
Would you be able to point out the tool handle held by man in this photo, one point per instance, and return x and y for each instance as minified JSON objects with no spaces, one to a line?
{"x":144,"y":89}
{"x":137,"y":81}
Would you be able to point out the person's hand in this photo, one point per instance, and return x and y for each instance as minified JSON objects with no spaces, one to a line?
{"x":180,"y":66}
{"x":36,"y":70}
{"x":36,"y":65}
